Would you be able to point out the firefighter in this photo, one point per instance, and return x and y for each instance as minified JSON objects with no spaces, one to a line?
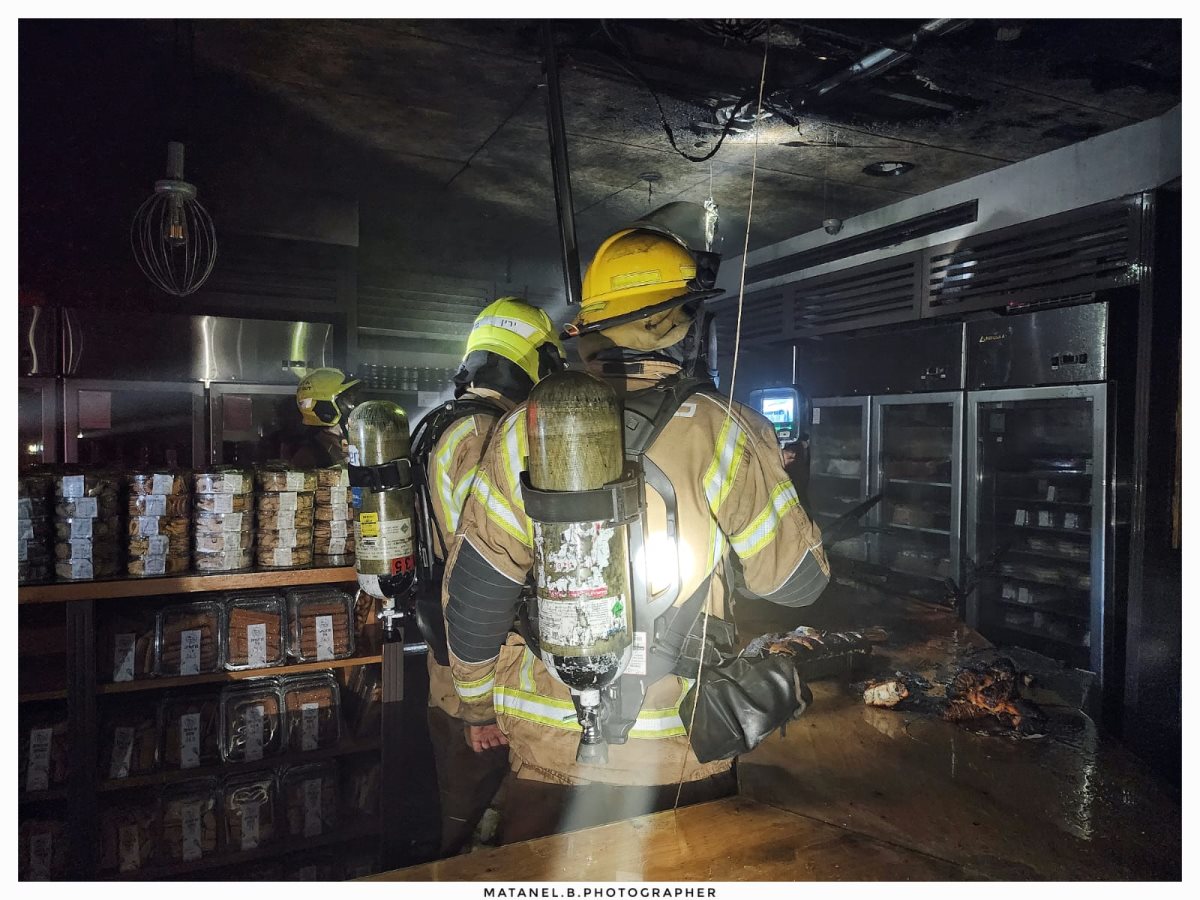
{"x":511,"y":346}
{"x":324,"y":398}
{"x":640,"y":328}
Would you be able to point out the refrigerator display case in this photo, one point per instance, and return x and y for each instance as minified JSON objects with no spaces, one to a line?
{"x":839,"y":439}
{"x":254,"y":423}
{"x":916,"y":462}
{"x":130,"y":424}
{"x":1037,"y":512}
{"x":37,"y":421}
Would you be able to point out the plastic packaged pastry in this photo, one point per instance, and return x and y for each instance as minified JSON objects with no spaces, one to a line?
{"x":129,"y":740}
{"x":190,"y":816}
{"x":35,"y":529}
{"x":222,"y":503}
{"x":191,"y":726}
{"x":42,"y":850}
{"x":270,"y":539}
{"x":125,"y":645}
{"x":285,"y":557}
{"x":223,"y":480}
{"x":255,"y":630}
{"x":129,"y":835}
{"x":250,"y":804}
{"x":280,"y":477}
{"x":320,"y":622}
{"x":286,"y":520}
{"x":206,"y":541}
{"x":283,"y":501}
{"x":333,"y":476}
{"x":189,"y":639}
{"x":310,"y":799}
{"x":251,"y":720}
{"x":222,"y":560}
{"x":43,"y":753}
{"x":164,"y":483}
{"x":159,"y":505}
{"x":312,"y":712}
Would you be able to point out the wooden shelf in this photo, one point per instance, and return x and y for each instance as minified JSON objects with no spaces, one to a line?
{"x":37,"y":696}
{"x":44,"y":796}
{"x":181,"y":584}
{"x":345,"y":747}
{"x":219,"y":860}
{"x":159,"y":684}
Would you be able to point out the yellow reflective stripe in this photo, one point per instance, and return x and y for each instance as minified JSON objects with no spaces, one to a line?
{"x":527,"y":660}
{"x":459,"y":497}
{"x":512,"y":457}
{"x":716,"y":543}
{"x":498,"y":509}
{"x":452,"y":497}
{"x":472,"y":690}
{"x":763,"y":529}
{"x":651,"y":724}
{"x":718,"y":480}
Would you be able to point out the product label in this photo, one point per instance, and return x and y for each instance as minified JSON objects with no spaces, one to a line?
{"x":162,"y":484}
{"x":1023,"y":595}
{"x":24,"y":507}
{"x":283,"y":556}
{"x":286,"y":520}
{"x":25,"y":529}
{"x":222,"y":503}
{"x":337,"y":497}
{"x":816,"y":415}
{"x":1045,"y":518}
{"x":1051,"y":492}
{"x":324,"y":637}
{"x":159,"y":545}
{"x":337,"y":528}
{"x":129,"y":852}
{"x":308,"y":726}
{"x":229,"y":522}
{"x":256,"y":644}
{"x":1021,"y":517}
{"x":81,"y":568}
{"x":250,"y":826}
{"x":40,"y":853}
{"x":189,"y":740}
{"x":637,"y":660}
{"x":368,"y":523}
{"x":154,"y":505}
{"x":337,"y":546}
{"x":123,"y":648}
{"x":287,"y":500}
{"x":1008,"y":592}
{"x":232,"y":482}
{"x":155,"y":565}
{"x":189,"y":652}
{"x":37,"y":776}
{"x":81,"y":548}
{"x":189,"y":823}
{"x":254,"y":732}
{"x":295,"y":481}
{"x":1071,"y":520}
{"x":286,"y":537}
{"x":72,"y":486}
{"x":86,"y":507}
{"x":122,"y":753}
{"x":81,"y":528}
{"x":344,"y":479}
{"x":312,"y":807}
{"x":22,"y":550}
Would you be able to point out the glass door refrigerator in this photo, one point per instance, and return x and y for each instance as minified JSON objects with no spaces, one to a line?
{"x":839,"y":439}
{"x":916,"y":462}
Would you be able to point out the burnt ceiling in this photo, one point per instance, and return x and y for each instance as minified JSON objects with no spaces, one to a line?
{"x":438,"y":128}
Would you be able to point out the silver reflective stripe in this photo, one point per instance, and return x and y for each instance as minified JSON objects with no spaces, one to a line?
{"x":516,"y":326}
{"x":471,"y":690}
{"x":762,"y":530}
{"x":718,"y":480}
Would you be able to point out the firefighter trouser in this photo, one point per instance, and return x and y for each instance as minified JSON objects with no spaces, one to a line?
{"x":467,"y":781}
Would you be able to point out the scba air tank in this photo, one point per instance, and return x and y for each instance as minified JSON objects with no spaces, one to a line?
{"x":385,"y":551}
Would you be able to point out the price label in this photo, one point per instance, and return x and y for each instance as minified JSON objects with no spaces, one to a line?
{"x":81,"y":548}
{"x":159,"y":545}
{"x":24,"y":508}
{"x":254,"y":732}
{"x":337,"y":546}
{"x":295,"y":481}
{"x":1008,"y":592}
{"x":25,"y":529}
{"x":129,"y":849}
{"x":337,"y":528}
{"x":86,"y":507}
{"x":287,"y":537}
{"x":72,"y":486}
{"x":189,"y":652}
{"x":155,"y":565}
{"x":147,"y":525}
{"x":41,"y":851}
{"x":256,"y":644}
{"x":162,"y":484}
{"x":287,"y":500}
{"x":81,"y":527}
{"x":308,"y":726}
{"x":81,"y":569}
{"x":123,"y":649}
{"x":1051,"y":492}
{"x":189,"y":822}
{"x":1045,"y":518}
{"x":231,"y":483}
{"x":1023,"y":595}
{"x":337,"y":497}
{"x":222,"y":503}
{"x":286,"y":520}
{"x":1021,"y":517}
{"x":189,"y":740}
{"x":230,"y":522}
{"x":154,"y":505}
{"x":37,"y":776}
{"x":283,"y":556}
{"x":312,"y":807}
{"x":250,"y":826}
{"x":1071,"y":520}
{"x":324,"y":637}
{"x":122,"y":753}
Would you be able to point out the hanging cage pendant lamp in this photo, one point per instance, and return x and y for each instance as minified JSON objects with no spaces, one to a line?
{"x":173,"y":238}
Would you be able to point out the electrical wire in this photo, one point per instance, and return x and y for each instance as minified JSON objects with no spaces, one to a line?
{"x":737,"y":341}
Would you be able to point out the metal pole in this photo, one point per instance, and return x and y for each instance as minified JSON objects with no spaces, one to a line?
{"x":561,"y":168}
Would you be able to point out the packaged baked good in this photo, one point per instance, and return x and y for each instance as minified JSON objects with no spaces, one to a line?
{"x":330,"y":513}
{"x":281,"y":477}
{"x":42,"y":850}
{"x":283,"y":501}
{"x":129,"y":740}
{"x":310,"y":799}
{"x":125,"y":645}
{"x":75,"y":484}
{"x":43,"y":752}
{"x":164,"y":483}
{"x":312,"y":712}
{"x":251,"y":720}
{"x":159,"y":505}
{"x":190,"y":815}
{"x":320,"y":621}
{"x":333,"y":538}
{"x":299,"y":520}
{"x":222,"y":503}
{"x":159,"y":526}
{"x":191,"y":727}
{"x":250,"y":803}
{"x":284,"y":557}
{"x":333,"y":476}
{"x":223,"y":480}
{"x":208,"y":541}
{"x":270,"y":538}
{"x":89,"y":529}
{"x":35,"y":529}
{"x":222,"y":560}
{"x":129,"y":835}
{"x":160,"y":545}
{"x":105,"y":506}
{"x":189,"y":638}
{"x":143,"y":566}
{"x":255,"y":630}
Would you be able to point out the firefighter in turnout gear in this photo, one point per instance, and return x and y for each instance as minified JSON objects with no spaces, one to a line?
{"x":511,"y":346}
{"x":714,"y":486}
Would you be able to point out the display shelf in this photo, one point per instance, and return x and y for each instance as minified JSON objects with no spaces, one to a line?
{"x":831,"y":475}
{"x":159,"y":684}
{"x":1048,"y":610}
{"x":1037,"y":501}
{"x":39,"y":696}
{"x":345,"y":747}
{"x":1073,"y":532}
{"x":1030,"y":631}
{"x":182,"y":584}
{"x":219,"y":860}
{"x":1058,"y":557}
{"x":1053,"y":584}
{"x":893,"y":525}
{"x":1043,"y":473}
{"x":43,"y":796}
{"x":917,"y":481}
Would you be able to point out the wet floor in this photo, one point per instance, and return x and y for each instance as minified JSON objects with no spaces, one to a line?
{"x":1067,"y":804}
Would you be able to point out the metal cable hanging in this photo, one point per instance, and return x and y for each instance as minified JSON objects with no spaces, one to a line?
{"x":174,"y":241}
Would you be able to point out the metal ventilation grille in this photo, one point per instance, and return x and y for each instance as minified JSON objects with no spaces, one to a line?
{"x":874,"y":294}
{"x":762,"y":319}
{"x":405,"y":313}
{"x":301,"y":275}
{"x":1053,"y":257}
